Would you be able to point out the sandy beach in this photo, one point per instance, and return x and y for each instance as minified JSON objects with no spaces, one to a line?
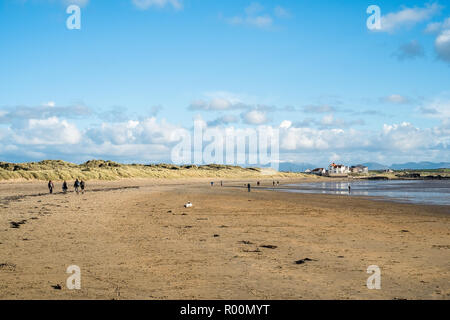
{"x":133,"y":239}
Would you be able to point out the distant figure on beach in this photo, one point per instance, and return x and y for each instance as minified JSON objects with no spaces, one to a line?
{"x":349,"y":189}
{"x":76,"y":185}
{"x":278,"y":183}
{"x":258,"y":183}
{"x":212,"y":184}
{"x":51,"y":186}
{"x":82,"y":186}
{"x":274,"y":183}
{"x":221,"y":183}
{"x":249,"y":187}
{"x":65,"y":187}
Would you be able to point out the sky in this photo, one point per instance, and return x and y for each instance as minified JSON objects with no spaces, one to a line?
{"x":139,"y":70}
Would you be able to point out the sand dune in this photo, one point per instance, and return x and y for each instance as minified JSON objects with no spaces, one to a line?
{"x":108,"y":170}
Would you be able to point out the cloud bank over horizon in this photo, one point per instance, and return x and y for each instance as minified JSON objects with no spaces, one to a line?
{"x":57,"y":133}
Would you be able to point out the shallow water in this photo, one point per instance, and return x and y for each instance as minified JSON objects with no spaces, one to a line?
{"x":436,"y":192}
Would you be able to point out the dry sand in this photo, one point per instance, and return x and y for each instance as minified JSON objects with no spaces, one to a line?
{"x":141,"y":243}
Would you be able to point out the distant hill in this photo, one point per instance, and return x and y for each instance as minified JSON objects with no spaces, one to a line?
{"x":420,"y":165}
{"x":295,"y":167}
{"x":375,"y":166}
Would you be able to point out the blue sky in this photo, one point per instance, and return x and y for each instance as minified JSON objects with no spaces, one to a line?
{"x":139,"y":69}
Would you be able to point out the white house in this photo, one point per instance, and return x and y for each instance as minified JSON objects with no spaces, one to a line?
{"x":359,"y":169}
{"x":338,"y":169}
{"x":319,"y":171}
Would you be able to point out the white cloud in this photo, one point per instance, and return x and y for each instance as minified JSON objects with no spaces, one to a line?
{"x":393,"y":140}
{"x":408,"y":17}
{"x":396,"y":98}
{"x":81,"y":3}
{"x":148,"y":131}
{"x":433,"y":27}
{"x":223,"y":120}
{"x":145,"y":4}
{"x":438,"y":108}
{"x":327,"y":120}
{"x":281,"y":12}
{"x":442,"y":42}
{"x":286,"y":124}
{"x":255,"y":117}
{"x":47,"y":110}
{"x":259,"y":21}
{"x":307,"y":139}
{"x":256,"y":15}
{"x":216,"y":104}
{"x":222,"y":101}
{"x":318,"y":108}
{"x":405,"y":136}
{"x":410,"y":50}
{"x":50,"y":104}
{"x":442,"y":45}
{"x":254,"y":8}
{"x":51,"y":131}
{"x":436,"y":27}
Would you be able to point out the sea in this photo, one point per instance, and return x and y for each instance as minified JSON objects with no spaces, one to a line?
{"x":431,"y":192}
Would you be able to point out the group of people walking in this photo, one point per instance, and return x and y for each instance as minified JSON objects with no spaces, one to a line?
{"x":79,"y":186}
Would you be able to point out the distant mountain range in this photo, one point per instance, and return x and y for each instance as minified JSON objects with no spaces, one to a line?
{"x":421,"y":165}
{"x":301,"y":167}
{"x":295,"y":167}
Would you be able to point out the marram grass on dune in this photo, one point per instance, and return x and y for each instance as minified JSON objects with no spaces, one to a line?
{"x":58,"y":170}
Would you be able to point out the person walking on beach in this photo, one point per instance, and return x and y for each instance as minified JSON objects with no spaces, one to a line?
{"x":65,"y":187}
{"x":249,"y":187}
{"x":349,"y":189}
{"x":82,"y":186}
{"x":76,"y":185}
{"x":51,"y":186}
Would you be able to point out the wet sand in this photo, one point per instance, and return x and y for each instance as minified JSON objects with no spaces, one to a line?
{"x":133,"y":239}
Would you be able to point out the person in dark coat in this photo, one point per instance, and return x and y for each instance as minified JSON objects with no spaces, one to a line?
{"x":51,"y":186}
{"x":76,"y":185}
{"x":65,"y":187}
{"x":249,"y":187}
{"x":82,"y":186}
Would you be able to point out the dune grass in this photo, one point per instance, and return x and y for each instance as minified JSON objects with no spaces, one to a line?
{"x":58,"y":170}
